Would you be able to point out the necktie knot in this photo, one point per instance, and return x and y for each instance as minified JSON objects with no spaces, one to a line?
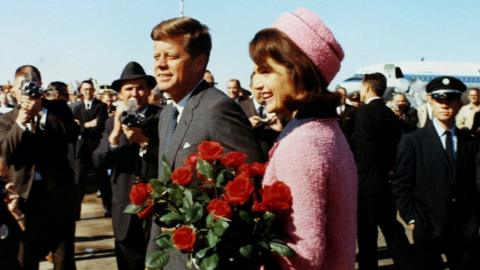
{"x":261,"y":110}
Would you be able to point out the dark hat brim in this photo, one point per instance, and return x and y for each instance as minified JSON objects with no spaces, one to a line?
{"x":117,"y":84}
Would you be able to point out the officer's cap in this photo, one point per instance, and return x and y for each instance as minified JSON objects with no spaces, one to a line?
{"x":445,"y":87}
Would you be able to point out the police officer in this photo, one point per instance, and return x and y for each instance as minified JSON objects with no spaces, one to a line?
{"x":434,"y":182}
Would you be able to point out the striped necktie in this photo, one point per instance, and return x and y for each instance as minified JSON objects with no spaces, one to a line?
{"x":172,"y":125}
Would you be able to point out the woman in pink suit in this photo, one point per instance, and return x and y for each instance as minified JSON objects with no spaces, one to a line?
{"x":295,"y":60}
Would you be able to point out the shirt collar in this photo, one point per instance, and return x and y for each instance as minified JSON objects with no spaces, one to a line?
{"x":183,"y":102}
{"x":256,"y":104}
{"x":440,"y":130}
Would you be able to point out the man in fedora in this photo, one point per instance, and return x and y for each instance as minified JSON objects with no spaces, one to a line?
{"x":130,"y":150}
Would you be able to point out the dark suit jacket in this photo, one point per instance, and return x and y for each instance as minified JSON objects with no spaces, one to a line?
{"x":208,"y":115}
{"x":428,"y":189}
{"x":90,"y":137}
{"x":126,"y":163}
{"x":265,"y":135}
{"x":44,"y":151}
{"x":347,"y":124}
{"x":377,"y":132}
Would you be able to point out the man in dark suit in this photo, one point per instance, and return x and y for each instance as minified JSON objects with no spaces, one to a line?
{"x":34,"y":139}
{"x":198,"y":112}
{"x":131,"y":151}
{"x":434,"y":182}
{"x":266,"y":126}
{"x":90,"y":113}
{"x":377,"y":132}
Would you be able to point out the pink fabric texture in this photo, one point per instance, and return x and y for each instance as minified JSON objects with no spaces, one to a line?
{"x":314,"y":38}
{"x":316,"y":162}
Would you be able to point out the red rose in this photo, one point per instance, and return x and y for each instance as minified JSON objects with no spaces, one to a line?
{"x":258,"y":206}
{"x":239,"y":190}
{"x":210,"y":151}
{"x":277,"y":197}
{"x":257,"y":169}
{"x":183,"y":238}
{"x":147,"y":211}
{"x":182,"y":176}
{"x":254,"y":169}
{"x":219,"y":208}
{"x":139,"y":193}
{"x":191,"y":161}
{"x":233,"y":159}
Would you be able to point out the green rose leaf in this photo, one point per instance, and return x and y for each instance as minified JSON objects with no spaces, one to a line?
{"x":205,"y":168}
{"x":201,"y":253}
{"x":269,"y":218}
{"x":209,"y":263}
{"x":157,"y":259}
{"x":210,"y":221}
{"x":221,"y":179}
{"x":164,"y":241}
{"x":194,"y":213}
{"x":212,"y":239}
{"x":170,"y":218}
{"x":220,"y":227}
{"x":167,"y":171}
{"x":246,"y":251}
{"x":245,"y":216}
{"x":281,"y":248}
{"x":133,"y":209}
{"x":157,"y":187}
{"x":187,"y":198}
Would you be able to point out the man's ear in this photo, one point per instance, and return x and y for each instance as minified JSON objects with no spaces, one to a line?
{"x":201,"y":61}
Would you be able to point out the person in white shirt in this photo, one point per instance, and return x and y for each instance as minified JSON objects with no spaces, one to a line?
{"x":466,"y":114}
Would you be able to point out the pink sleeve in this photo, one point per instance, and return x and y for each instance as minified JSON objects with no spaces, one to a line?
{"x":304,"y":167}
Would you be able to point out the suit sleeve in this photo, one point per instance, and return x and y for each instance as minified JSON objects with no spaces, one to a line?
{"x":403,"y":181}
{"x":14,"y":140}
{"x":231,"y":128}
{"x":102,"y":116}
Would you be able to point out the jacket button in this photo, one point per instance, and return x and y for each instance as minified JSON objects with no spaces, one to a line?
{"x":454,"y":200}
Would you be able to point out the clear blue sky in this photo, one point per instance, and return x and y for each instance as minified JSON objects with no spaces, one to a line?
{"x":73,"y":40}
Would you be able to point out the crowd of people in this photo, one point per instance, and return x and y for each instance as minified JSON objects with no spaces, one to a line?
{"x":352,"y":161}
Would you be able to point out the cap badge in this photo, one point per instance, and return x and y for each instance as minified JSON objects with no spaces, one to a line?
{"x":446,"y":81}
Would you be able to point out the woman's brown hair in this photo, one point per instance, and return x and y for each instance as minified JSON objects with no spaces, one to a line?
{"x":311,"y":97}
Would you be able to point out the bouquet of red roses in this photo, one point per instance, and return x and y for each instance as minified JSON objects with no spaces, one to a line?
{"x":214,"y":209}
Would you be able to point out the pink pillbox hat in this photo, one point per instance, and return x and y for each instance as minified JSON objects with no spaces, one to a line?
{"x":314,"y":38}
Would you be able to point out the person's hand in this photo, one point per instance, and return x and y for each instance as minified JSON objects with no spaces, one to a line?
{"x":411,"y":227}
{"x":275,"y":123}
{"x":91,"y":123}
{"x":114,"y":137}
{"x":29,"y":107}
{"x":134,"y":134}
{"x":12,"y":200}
{"x":255,"y":120}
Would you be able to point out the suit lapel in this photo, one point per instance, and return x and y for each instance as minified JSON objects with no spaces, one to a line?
{"x":184,"y":123}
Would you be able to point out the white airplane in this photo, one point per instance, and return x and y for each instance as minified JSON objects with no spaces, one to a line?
{"x":411,"y":77}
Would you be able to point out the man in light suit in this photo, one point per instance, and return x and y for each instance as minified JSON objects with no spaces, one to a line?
{"x":434,"y":183}
{"x":198,"y":112}
{"x":424,"y":112}
{"x":34,"y":140}
{"x":130,"y":151}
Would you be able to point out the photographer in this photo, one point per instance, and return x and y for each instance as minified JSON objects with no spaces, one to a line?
{"x":407,"y":115}
{"x":129,"y":146}
{"x":34,"y":138}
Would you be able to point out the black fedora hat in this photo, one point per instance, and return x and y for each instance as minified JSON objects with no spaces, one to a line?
{"x":132,"y":71}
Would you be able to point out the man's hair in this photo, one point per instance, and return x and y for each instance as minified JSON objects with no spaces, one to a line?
{"x":474,"y":89}
{"x":60,"y":87}
{"x":197,"y":40}
{"x":236,"y":81}
{"x":30,"y":72}
{"x":88,"y":82}
{"x":377,"y":82}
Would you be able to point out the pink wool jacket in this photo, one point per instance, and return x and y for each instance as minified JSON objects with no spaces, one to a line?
{"x":315,"y":160}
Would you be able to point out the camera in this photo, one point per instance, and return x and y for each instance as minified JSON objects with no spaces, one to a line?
{"x":132,"y":119}
{"x":30,"y":89}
